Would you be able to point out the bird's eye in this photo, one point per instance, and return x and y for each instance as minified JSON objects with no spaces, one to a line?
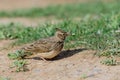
{"x":63,"y":34}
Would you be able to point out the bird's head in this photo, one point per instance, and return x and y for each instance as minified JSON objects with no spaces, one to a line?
{"x":60,"y":34}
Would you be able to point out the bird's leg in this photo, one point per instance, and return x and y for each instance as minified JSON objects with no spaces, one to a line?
{"x":32,"y":56}
{"x":38,"y":54}
{"x":43,"y":59}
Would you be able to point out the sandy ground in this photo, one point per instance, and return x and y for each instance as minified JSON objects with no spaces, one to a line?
{"x":15,"y":4}
{"x":72,"y":64}
{"x":28,"y":21}
{"x":69,"y":65}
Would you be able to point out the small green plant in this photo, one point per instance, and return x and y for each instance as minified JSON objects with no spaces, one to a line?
{"x":20,"y":65}
{"x":83,"y":76}
{"x":4,"y":78}
{"x":19,"y":54}
{"x":16,"y":55}
{"x":109,"y":62}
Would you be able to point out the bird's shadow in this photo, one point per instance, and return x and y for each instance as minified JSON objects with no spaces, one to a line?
{"x":68,"y":53}
{"x":64,"y":54}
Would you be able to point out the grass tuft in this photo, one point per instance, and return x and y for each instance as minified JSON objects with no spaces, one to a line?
{"x":20,"y":65}
{"x":109,"y":62}
{"x":19,"y":54}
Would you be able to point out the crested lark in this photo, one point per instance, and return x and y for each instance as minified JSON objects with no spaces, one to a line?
{"x":47,"y":48}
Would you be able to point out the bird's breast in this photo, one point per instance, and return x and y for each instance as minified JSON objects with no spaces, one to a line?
{"x":49,"y":55}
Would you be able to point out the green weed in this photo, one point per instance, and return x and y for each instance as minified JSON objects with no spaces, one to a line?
{"x":98,"y":34}
{"x":20,"y":65}
{"x":109,"y":62}
{"x":19,"y":54}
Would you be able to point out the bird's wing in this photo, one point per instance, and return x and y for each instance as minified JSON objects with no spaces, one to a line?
{"x":44,"y":45}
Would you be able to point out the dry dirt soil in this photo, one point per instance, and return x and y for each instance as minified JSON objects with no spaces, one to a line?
{"x":74,"y":64}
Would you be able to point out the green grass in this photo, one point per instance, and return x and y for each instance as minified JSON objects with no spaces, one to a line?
{"x":67,"y":10}
{"x":109,"y":62}
{"x":18,"y":54}
{"x":20,"y":65}
{"x":98,"y":34}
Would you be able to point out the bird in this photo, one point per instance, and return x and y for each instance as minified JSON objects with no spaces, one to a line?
{"x":46,"y":48}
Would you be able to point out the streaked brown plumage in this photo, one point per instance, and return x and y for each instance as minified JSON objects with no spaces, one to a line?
{"x":47,"y":48}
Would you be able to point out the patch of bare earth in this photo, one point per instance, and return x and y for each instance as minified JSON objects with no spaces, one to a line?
{"x":75,"y":64}
{"x":32,"y":22}
{"x":15,"y":4}
{"x":28,"y":21}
